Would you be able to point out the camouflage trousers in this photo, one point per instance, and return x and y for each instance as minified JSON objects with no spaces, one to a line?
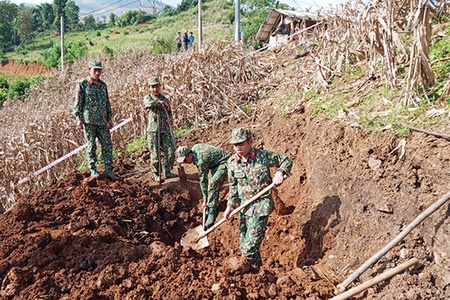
{"x":252,"y":230}
{"x":216,"y":178}
{"x":100,"y":132}
{"x":167,"y":146}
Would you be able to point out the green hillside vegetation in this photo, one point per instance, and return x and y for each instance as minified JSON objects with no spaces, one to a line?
{"x":158,"y":36}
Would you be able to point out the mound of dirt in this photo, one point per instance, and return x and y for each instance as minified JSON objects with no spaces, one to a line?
{"x":349,"y":195}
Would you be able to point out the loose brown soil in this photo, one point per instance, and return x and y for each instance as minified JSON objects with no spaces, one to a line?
{"x":348,"y":196}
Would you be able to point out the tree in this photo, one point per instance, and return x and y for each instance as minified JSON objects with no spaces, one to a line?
{"x":185,"y":5}
{"x":58,"y":10}
{"x":89,"y":22}
{"x":135,"y":17}
{"x":43,"y":17}
{"x":71,"y":11}
{"x":112,"y":20}
{"x":168,"y":11}
{"x":254,"y":12}
{"x":8,"y":13}
{"x":25,"y":18}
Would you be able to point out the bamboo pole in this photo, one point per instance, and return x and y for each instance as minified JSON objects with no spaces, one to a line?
{"x":54,"y":163}
{"x":384,"y":276}
{"x":343,"y":286}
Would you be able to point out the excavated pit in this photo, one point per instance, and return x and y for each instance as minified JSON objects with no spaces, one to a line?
{"x":82,"y":238}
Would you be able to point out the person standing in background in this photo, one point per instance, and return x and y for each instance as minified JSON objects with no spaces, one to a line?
{"x":191,"y":39}
{"x":93,"y":112}
{"x":179,"y":41}
{"x":159,"y":130}
{"x":186,"y":40}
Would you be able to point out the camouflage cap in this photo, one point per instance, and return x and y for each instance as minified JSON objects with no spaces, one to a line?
{"x":95,"y":64}
{"x":240,"y":135}
{"x":181,"y":153}
{"x":153,"y":81}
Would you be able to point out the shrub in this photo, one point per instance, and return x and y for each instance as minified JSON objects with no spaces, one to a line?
{"x":108,"y":51}
{"x":52,"y":56}
{"x":161,"y":45}
{"x":3,"y":96}
{"x":3,"y":83}
{"x":19,"y":88}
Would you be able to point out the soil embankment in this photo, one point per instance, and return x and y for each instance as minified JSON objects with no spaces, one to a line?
{"x":29,"y":70}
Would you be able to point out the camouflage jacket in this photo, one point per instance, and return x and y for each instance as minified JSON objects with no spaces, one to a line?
{"x":92,"y":104}
{"x":155,"y":110}
{"x":247,"y":178}
{"x":205,"y":158}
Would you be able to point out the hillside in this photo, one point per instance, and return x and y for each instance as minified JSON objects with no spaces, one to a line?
{"x":360,"y":176}
{"x":155,"y":37}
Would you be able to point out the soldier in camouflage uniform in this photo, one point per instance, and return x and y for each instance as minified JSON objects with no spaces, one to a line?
{"x":211,"y":163}
{"x":93,"y":112}
{"x":248,"y":174}
{"x":159,"y":123}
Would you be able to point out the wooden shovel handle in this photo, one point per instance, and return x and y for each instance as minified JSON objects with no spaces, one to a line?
{"x":204,"y":218}
{"x":238,"y":209}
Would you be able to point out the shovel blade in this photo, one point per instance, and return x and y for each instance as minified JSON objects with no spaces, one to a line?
{"x":191,"y":239}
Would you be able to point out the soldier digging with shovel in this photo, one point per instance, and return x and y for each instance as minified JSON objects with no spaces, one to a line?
{"x":159,"y":134}
{"x":211,"y":162}
{"x":248,"y":174}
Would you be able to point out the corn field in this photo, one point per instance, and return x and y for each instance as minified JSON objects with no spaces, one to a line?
{"x":205,"y":86}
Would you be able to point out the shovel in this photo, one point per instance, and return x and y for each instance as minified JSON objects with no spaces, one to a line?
{"x":196,"y":238}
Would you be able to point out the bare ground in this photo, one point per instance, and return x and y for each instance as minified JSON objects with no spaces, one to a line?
{"x":349,"y":195}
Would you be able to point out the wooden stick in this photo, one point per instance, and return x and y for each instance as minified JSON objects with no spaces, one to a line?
{"x":28,"y":178}
{"x":343,"y":286}
{"x":384,"y":276}
{"x":236,"y":210}
{"x":437,"y":134}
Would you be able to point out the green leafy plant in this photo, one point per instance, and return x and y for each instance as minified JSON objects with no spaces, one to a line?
{"x":3,"y":96}
{"x":246,"y":107}
{"x":19,"y":88}
{"x":184,"y":130}
{"x":137,"y":145}
{"x":3,"y":83}
{"x":161,"y":45}
{"x":108,"y":51}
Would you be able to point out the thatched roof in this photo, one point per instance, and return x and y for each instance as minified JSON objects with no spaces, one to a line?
{"x":274,"y":18}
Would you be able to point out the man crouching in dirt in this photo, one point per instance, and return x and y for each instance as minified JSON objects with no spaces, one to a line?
{"x":211,"y":163}
{"x":248,"y":174}
{"x":93,"y":112}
